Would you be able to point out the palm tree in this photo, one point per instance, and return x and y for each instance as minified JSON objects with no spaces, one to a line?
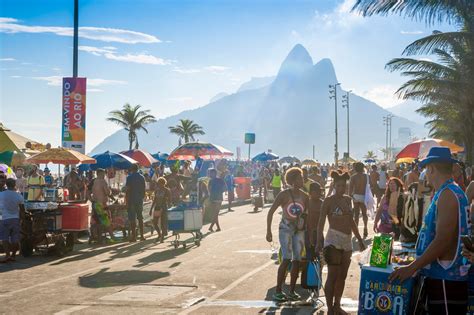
{"x":370,"y":155}
{"x":445,"y":87}
{"x":186,"y":130}
{"x":132,"y":119}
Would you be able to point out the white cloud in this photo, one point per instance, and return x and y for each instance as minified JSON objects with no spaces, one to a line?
{"x":94,"y":90}
{"x":56,"y":80}
{"x":15,"y":76}
{"x":7,"y":59}
{"x":186,"y":71}
{"x":138,"y":58}
{"x":383,"y":95}
{"x":411,"y":32}
{"x":340,"y":17}
{"x":10,"y":25}
{"x":110,"y":53}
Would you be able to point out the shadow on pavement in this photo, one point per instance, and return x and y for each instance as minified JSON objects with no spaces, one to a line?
{"x":289,"y":309}
{"x":161,"y":256}
{"x":103,"y":279}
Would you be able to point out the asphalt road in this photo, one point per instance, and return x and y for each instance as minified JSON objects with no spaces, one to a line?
{"x":231,"y":272}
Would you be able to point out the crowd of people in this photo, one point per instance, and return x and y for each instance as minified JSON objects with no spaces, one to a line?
{"x":426,"y":200}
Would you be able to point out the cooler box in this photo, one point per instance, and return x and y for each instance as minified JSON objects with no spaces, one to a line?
{"x":378,"y":296}
{"x":75,"y":216}
{"x":243,"y":187}
{"x":54,"y":220}
{"x":192,"y":219}
{"x":176,"y":218}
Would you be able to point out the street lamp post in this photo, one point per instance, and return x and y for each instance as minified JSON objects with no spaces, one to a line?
{"x":76,"y":39}
{"x":387,"y":122}
{"x":345,"y":104}
{"x":333,"y":95}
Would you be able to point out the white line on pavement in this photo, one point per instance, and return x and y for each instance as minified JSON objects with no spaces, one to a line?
{"x":229,"y":287}
{"x":72,"y":310}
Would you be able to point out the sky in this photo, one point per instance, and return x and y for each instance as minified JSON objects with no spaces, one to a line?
{"x":170,"y":56}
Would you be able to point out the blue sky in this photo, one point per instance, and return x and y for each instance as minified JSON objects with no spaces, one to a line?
{"x":170,"y":56}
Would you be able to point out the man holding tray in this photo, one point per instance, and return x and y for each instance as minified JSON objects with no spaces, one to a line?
{"x":438,"y":248}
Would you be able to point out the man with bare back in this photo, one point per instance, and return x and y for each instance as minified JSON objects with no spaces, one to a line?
{"x":357,"y":189}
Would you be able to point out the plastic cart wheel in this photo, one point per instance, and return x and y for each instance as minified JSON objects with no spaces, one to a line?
{"x":70,"y":242}
{"x":197,"y":242}
{"x":60,"y":247}
{"x":184,"y":245}
{"x":26,"y":247}
{"x":175,"y":244}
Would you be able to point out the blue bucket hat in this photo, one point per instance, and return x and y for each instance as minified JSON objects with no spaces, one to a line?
{"x":438,"y":155}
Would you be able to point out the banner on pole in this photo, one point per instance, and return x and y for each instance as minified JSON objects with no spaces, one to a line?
{"x":74,"y":114}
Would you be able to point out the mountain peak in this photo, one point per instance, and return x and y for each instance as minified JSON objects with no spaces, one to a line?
{"x":297,"y":61}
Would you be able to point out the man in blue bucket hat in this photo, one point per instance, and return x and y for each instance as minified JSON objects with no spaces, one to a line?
{"x":438,"y":248}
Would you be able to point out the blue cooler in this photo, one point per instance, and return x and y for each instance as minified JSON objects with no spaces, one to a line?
{"x":176,"y":218}
{"x":378,"y":296}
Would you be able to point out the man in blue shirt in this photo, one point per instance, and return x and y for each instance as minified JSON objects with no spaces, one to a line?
{"x":134,"y":195}
{"x":438,"y":248}
{"x":216,"y":188}
{"x":11,"y":204}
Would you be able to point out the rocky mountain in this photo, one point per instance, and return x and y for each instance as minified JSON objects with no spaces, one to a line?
{"x":256,"y":83}
{"x":218,"y":97}
{"x":407,"y":110}
{"x":289,"y":115}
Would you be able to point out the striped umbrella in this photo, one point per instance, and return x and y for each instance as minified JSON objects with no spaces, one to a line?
{"x":420,"y":148}
{"x":60,"y":156}
{"x":206,"y":151}
{"x":142,"y":157}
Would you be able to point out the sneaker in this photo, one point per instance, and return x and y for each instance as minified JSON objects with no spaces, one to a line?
{"x":293,"y":296}
{"x":280,"y":297}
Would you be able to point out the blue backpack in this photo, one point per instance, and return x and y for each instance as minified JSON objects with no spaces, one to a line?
{"x":311,"y":276}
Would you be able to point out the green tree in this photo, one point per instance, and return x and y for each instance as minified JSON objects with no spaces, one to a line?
{"x":445,"y":86}
{"x":370,"y":155}
{"x":186,"y":130}
{"x":132,"y":119}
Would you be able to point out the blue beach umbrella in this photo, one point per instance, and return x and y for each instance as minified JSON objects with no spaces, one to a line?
{"x":265,"y":157}
{"x":112,"y":160}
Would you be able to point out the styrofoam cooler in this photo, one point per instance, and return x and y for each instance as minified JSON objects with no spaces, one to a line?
{"x":378,"y":296}
{"x":176,"y":220}
{"x":192,"y":219}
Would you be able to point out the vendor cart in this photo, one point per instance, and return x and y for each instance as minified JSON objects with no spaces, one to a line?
{"x":185,"y":218}
{"x":48,"y":226}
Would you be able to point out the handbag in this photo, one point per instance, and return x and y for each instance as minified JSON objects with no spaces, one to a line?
{"x":332,"y":255}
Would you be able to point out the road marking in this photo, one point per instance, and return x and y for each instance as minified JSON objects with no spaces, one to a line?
{"x":72,"y":309}
{"x":230,"y":286}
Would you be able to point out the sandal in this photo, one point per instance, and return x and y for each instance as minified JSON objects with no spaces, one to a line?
{"x":294,"y":296}
{"x":280,"y":297}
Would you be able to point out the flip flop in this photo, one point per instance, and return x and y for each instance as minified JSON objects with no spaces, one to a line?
{"x":294,"y":296}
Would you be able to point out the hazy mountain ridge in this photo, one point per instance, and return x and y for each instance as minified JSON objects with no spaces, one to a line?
{"x":288,"y":116}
